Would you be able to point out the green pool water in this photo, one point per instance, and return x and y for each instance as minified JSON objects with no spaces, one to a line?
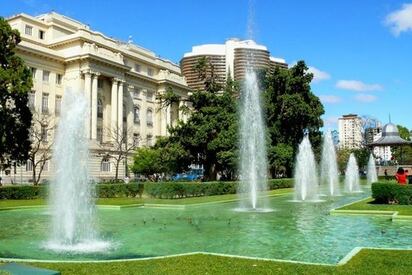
{"x":293,"y":231}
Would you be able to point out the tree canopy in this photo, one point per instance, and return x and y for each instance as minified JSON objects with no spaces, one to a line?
{"x":292,"y":110}
{"x":15,"y":83}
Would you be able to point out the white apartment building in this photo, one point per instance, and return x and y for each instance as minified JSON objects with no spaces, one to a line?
{"x":231,"y":58}
{"x":350,"y":131}
{"x":120,"y":80}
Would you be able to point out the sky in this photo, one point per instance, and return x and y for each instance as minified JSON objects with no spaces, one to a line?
{"x":359,"y":51}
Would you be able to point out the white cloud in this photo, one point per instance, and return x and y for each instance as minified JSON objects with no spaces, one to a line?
{"x":331,"y":99}
{"x":357,"y":86}
{"x":330,"y":121}
{"x":366,"y":98}
{"x":400,"y":20}
{"x":318,"y":75}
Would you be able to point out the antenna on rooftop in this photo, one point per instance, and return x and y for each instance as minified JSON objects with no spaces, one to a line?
{"x":390,"y":121}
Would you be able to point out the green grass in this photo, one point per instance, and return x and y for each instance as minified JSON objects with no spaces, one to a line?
{"x":131,"y":201}
{"x":368,"y":261}
{"x":367,"y":204}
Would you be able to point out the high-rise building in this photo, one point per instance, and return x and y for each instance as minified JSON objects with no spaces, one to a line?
{"x":231,"y":58}
{"x":119,"y":79}
{"x":350,"y":131}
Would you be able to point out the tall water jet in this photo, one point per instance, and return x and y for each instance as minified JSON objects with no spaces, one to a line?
{"x":71,"y":192}
{"x":253,"y":163}
{"x":306,"y":177}
{"x":372,"y":174}
{"x":352,"y":176}
{"x":329,"y":167}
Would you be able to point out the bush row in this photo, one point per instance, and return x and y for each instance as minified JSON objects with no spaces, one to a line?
{"x":102,"y":190}
{"x":164,"y":190}
{"x":176,"y":190}
{"x":390,"y":192}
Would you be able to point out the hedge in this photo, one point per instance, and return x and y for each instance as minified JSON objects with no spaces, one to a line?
{"x":176,"y":190}
{"x":164,"y":190}
{"x":20,"y":192}
{"x":390,"y":192}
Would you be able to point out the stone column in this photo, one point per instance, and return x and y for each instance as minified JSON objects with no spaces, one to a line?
{"x":114,"y":108}
{"x":94,"y":106}
{"x":120,"y":108}
{"x":88,"y":95}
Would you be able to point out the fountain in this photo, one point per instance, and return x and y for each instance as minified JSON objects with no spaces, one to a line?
{"x":71,"y":192}
{"x":253,"y":164}
{"x":372,"y":175}
{"x":306,"y":178}
{"x":352,"y":176}
{"x":329,"y":168}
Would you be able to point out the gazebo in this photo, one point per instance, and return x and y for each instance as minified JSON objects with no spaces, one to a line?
{"x":390,"y":137}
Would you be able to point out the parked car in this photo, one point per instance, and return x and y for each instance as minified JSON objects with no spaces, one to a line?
{"x":191,"y":175}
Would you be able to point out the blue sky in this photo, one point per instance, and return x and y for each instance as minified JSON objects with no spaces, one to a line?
{"x":360,"y":51}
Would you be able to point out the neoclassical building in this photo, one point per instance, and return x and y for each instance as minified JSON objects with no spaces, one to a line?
{"x":121,"y":80}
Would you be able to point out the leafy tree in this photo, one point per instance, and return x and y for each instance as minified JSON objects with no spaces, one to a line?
{"x":292,"y":110}
{"x":362,"y":156}
{"x":343,"y":158}
{"x":146,"y":161}
{"x":15,"y":115}
{"x":403,"y":154}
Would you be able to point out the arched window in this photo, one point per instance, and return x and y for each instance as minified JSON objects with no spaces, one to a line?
{"x":136,"y":114}
{"x":149,"y":117}
{"x":100,"y":108}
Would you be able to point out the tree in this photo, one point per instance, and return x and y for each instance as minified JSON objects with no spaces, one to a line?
{"x":343,"y":158}
{"x":146,"y":161}
{"x":15,"y":115}
{"x":41,"y":144}
{"x":292,"y":110}
{"x":403,"y":154}
{"x":122,"y":143}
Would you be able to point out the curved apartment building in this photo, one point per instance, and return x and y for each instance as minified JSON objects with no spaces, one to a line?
{"x":231,"y":58}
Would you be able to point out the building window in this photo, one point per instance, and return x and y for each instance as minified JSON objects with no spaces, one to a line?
{"x":43,"y":133}
{"x":136,"y":93}
{"x":149,"y":71}
{"x":137,"y":68}
{"x":149,"y":140}
{"x":136,"y":114}
{"x":46,"y":166}
{"x":100,"y":83}
{"x":45,"y":104}
{"x":100,"y":108}
{"x":58,"y":105}
{"x":33,"y":72}
{"x":41,"y":34}
{"x":105,"y":165}
{"x":149,"y":96}
{"x":46,"y":75}
{"x":28,"y":30}
{"x":99,"y":134}
{"x":29,"y":166}
{"x":58,"y":79}
{"x":136,"y":140}
{"x":32,"y":96}
{"x":149,"y":117}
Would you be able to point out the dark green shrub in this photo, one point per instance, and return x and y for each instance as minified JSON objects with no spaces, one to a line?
{"x":390,"y":192}
{"x":22,"y":192}
{"x":175,"y":190}
{"x":113,"y":190}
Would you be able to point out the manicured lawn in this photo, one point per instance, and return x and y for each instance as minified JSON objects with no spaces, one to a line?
{"x":130,"y":201}
{"x":366,"y":262}
{"x":367,"y":204}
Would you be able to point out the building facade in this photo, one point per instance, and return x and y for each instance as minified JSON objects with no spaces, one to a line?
{"x":350,"y":132}
{"x":120,"y":80}
{"x":231,"y":58}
